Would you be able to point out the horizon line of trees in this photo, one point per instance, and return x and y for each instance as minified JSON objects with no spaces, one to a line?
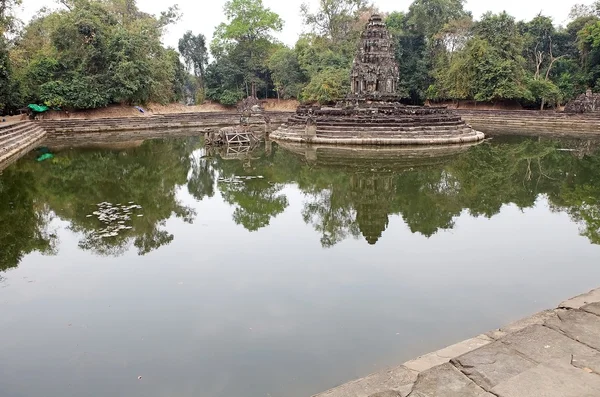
{"x":93,"y":53}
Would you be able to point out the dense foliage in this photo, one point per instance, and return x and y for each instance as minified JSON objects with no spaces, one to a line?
{"x":93,"y":53}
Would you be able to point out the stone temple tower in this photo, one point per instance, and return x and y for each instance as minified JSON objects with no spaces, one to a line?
{"x":375,"y":70}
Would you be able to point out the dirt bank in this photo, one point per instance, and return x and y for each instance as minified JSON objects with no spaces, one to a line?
{"x":154,"y":109}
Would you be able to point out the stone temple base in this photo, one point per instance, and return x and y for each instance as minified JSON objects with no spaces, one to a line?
{"x":380,"y":124}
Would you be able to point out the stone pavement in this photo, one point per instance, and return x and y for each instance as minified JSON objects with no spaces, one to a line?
{"x":555,"y":353}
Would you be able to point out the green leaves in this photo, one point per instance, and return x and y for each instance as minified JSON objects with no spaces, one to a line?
{"x":327,"y":85}
{"x":286,"y":73}
{"x":97,"y":53}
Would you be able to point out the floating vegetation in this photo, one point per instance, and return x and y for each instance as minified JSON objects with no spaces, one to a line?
{"x":240,"y":179}
{"x":114,"y":217}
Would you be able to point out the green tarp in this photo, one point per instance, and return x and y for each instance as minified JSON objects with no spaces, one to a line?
{"x":38,"y":108}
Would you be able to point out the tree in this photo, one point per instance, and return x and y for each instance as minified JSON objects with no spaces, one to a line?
{"x":96,"y":53}
{"x":589,"y":46}
{"x":428,"y":16}
{"x":327,"y":86}
{"x":193,"y":50}
{"x":9,"y":89}
{"x":7,"y":19}
{"x":247,"y":35}
{"x":286,"y":73}
{"x":491,"y":67}
{"x":334,"y":19}
{"x":542,"y":52}
{"x":584,"y":10}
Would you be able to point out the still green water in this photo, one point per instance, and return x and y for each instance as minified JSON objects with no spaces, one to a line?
{"x":278,"y":272}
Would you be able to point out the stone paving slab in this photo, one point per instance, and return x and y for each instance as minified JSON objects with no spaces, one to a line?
{"x":440,"y":357}
{"x":578,"y":325}
{"x":446,"y":381}
{"x":544,"y":345}
{"x":493,"y":364}
{"x":550,"y":380}
{"x":581,"y":300}
{"x":398,"y":380}
{"x":498,"y":363}
{"x":593,"y":308}
{"x":538,"y":318}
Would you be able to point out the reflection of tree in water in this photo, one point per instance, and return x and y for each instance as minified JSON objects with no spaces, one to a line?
{"x":330,"y":215}
{"x":579,"y":194}
{"x":247,"y":182}
{"x":201,"y":181}
{"x":73,"y":183}
{"x":342,"y":199}
{"x":429,"y":198}
{"x":24,"y":218}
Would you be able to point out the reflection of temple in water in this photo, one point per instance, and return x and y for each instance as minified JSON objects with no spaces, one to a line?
{"x":372,"y":195}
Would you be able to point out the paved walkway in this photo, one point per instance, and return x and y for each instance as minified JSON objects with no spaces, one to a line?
{"x":555,"y":353}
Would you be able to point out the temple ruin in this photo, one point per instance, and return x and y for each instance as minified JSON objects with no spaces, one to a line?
{"x":584,"y":103}
{"x":371,"y":113}
{"x":375,"y":70}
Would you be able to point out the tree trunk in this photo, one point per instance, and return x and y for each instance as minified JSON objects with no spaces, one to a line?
{"x":543,"y":103}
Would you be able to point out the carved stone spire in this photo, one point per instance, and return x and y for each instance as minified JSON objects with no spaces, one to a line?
{"x":375,"y":70}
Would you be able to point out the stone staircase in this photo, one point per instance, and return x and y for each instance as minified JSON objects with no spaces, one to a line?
{"x":16,"y":139}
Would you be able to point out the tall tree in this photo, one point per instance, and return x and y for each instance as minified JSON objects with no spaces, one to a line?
{"x":193,"y":50}
{"x":247,"y":35}
{"x":96,"y":53}
{"x":9,"y":91}
{"x":429,"y":16}
{"x":286,"y":73}
{"x":334,"y":19}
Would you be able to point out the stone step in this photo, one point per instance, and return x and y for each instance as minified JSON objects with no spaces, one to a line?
{"x":416,"y":131}
{"x":382,"y":121}
{"x":393,"y":136}
{"x":391,"y":128}
{"x":14,"y":134}
{"x":18,"y":139}
{"x":10,"y":129}
{"x":10,"y":153}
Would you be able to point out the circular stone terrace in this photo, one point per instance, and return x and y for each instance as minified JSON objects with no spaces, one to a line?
{"x":376,"y":124}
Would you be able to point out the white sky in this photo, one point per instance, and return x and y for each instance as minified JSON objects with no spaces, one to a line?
{"x":202,"y":16}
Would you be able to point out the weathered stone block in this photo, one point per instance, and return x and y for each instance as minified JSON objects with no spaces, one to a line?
{"x":399,"y":380}
{"x":581,"y":300}
{"x":446,"y":381}
{"x":555,"y":379}
{"x":443,"y":356}
{"x":493,"y":364}
{"x":578,"y":325}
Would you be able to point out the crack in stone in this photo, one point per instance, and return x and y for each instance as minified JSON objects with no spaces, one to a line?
{"x":460,"y":367}
{"x":570,"y":336}
{"x":412,"y":389}
{"x":586,"y":369}
{"x":589,"y":312}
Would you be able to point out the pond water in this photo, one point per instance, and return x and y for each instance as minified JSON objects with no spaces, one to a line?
{"x":278,"y":272}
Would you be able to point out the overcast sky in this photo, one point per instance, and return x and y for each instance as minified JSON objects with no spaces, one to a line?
{"x":202,"y":16}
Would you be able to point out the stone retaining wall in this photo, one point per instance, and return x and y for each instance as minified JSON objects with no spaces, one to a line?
{"x":532,"y":122}
{"x":488,"y":122}
{"x":205,"y":122}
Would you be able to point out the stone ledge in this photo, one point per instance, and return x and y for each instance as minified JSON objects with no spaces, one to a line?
{"x":554,"y":353}
{"x":581,"y":300}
